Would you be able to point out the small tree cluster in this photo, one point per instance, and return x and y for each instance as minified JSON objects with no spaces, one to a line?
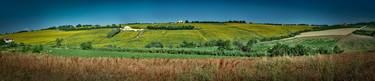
{"x":83,"y":27}
{"x":59,"y":42}
{"x":154,"y":45}
{"x":298,"y":50}
{"x":113,"y":33}
{"x":86,"y":45}
{"x":186,"y":44}
{"x":37,"y":49}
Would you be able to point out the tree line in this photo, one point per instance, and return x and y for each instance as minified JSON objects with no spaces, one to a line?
{"x":230,"y":21}
{"x":298,"y":50}
{"x":83,"y":27}
{"x":187,"y":27}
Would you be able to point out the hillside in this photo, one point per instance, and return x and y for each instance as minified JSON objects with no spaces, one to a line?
{"x":204,"y":32}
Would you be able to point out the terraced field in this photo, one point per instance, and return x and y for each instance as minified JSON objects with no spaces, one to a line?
{"x":204,"y":32}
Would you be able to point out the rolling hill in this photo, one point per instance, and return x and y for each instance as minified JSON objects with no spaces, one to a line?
{"x":204,"y":32}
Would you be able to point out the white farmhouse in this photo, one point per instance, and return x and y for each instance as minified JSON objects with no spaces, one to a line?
{"x":128,"y":28}
{"x":8,"y":40}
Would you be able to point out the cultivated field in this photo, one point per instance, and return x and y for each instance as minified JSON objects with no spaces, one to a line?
{"x":340,"y":67}
{"x":331,"y":32}
{"x":205,"y":32}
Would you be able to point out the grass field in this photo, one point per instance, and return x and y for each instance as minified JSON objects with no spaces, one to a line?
{"x":204,"y":32}
{"x":98,"y":53}
{"x":340,"y":67}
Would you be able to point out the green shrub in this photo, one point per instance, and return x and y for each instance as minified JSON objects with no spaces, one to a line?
{"x":25,"y":49}
{"x":59,"y":42}
{"x":2,"y":43}
{"x":186,"y":44}
{"x":337,"y":49}
{"x":86,"y":45}
{"x":322,"y":50}
{"x":279,"y":49}
{"x":37,"y":49}
{"x":154,"y":45}
{"x":113,"y":33}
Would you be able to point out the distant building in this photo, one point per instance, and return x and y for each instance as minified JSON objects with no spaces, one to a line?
{"x":128,"y":28}
{"x":8,"y":40}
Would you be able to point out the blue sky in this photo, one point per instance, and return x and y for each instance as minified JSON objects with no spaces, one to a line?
{"x":18,"y":15}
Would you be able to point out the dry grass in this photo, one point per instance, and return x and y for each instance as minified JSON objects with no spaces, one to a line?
{"x":342,"y":67}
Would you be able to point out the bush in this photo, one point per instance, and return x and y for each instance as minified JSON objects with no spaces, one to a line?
{"x":224,"y":45}
{"x":250,"y":43}
{"x":282,"y":49}
{"x":2,"y":43}
{"x":37,"y":49}
{"x":113,"y":33}
{"x":154,"y":45}
{"x":186,"y":44}
{"x":59,"y":42}
{"x":337,"y":49}
{"x":279,"y":49}
{"x":322,"y":50}
{"x":86,"y":45}
{"x":300,"y":50}
{"x":25,"y":49}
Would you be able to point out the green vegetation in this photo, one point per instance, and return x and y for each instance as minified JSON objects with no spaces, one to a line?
{"x":154,"y":45}
{"x":86,"y":45}
{"x":82,"y":27}
{"x":113,"y":32}
{"x":37,"y":49}
{"x":215,"y":39}
{"x":101,"y":53}
{"x":59,"y":42}
{"x":187,"y":27}
{"x":170,"y":38}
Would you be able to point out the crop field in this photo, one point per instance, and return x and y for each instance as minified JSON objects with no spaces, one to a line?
{"x":340,"y":67}
{"x":204,"y":32}
{"x":341,"y":31}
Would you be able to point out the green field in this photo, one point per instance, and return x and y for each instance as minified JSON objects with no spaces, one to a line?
{"x":204,"y":32}
{"x":98,"y":53}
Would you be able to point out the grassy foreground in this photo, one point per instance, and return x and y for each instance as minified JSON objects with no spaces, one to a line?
{"x":340,"y":67}
{"x":98,"y":53}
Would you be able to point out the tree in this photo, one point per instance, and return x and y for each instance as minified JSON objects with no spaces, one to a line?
{"x":251,"y":42}
{"x":337,"y":49}
{"x":224,"y":45}
{"x":86,"y":45}
{"x":113,"y":33}
{"x":59,"y":42}
{"x":154,"y":45}
{"x":37,"y":49}
{"x":2,"y":43}
{"x":300,"y":50}
{"x":279,"y":49}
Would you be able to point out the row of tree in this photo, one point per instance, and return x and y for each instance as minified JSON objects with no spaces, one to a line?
{"x":220,"y":44}
{"x":231,"y":21}
{"x":298,"y":50}
{"x":113,"y":33}
{"x":83,"y":27}
{"x":187,"y":27}
{"x":178,"y":51}
{"x":21,"y":47}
